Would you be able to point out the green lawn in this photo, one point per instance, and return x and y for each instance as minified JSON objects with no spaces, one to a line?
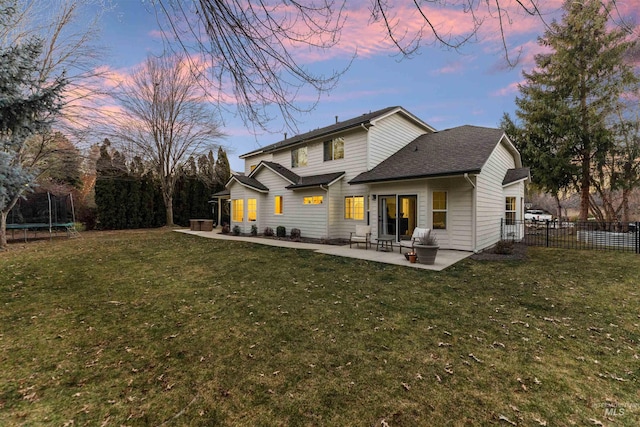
{"x":160,"y":328}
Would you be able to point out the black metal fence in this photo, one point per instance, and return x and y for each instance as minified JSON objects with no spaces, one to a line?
{"x":615,"y":236}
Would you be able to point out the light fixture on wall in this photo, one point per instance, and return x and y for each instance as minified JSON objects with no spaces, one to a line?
{"x":373,"y":197}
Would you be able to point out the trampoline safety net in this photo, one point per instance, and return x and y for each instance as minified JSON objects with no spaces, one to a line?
{"x":42,"y":209}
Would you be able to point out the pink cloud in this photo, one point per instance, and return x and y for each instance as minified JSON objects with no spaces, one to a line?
{"x":451,"y":68}
{"x":508,"y":90}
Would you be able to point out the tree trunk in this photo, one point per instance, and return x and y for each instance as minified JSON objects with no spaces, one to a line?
{"x":585,"y":184}
{"x":3,"y":230}
{"x":558,"y":205}
{"x":168,"y":203}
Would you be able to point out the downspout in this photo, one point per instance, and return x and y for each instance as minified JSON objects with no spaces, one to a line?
{"x":473,"y":212}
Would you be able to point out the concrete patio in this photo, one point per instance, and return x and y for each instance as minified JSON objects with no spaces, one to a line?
{"x":444,"y":259}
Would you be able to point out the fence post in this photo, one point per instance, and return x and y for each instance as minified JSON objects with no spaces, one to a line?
{"x":547,"y":237}
{"x":501,"y":228}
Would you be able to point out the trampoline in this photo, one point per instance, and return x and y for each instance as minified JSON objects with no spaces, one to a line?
{"x":43,"y":212}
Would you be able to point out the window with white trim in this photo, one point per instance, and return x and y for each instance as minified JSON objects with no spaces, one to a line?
{"x":252,"y":205}
{"x":237,"y":210}
{"x":439,"y":210}
{"x":312,"y":200}
{"x":354,"y":207}
{"x":299,"y":157}
{"x":510,"y":210}
{"x":334,"y":149}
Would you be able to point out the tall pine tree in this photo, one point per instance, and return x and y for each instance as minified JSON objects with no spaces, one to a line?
{"x":26,"y":107}
{"x":565,"y":103}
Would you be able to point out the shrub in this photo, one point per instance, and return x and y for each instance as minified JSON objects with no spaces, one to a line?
{"x":254,"y":230}
{"x":503,"y":247}
{"x":295,"y":234}
{"x":281,"y":231}
{"x":236,"y":230}
{"x":268,"y":232}
{"x":225,"y":229}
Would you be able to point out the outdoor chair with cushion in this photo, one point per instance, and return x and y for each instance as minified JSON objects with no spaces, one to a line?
{"x":361,"y":235}
{"x":415,"y":237}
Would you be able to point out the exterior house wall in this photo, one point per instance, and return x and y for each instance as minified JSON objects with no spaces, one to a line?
{"x":353,"y":163}
{"x":254,"y":160}
{"x":491,"y":196}
{"x":388,"y":135}
{"x":240,"y":192}
{"x":458,"y":234}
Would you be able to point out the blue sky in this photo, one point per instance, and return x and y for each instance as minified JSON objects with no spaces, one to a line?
{"x":444,"y":88}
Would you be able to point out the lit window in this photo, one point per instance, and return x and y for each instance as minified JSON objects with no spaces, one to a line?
{"x":313,"y":200}
{"x":299,"y":157}
{"x":253,"y":167}
{"x":510,"y":210}
{"x":354,"y":207}
{"x":237,"y":207}
{"x":251,"y":209}
{"x":439,"y":210}
{"x":334,"y":149}
{"x":277,"y":201}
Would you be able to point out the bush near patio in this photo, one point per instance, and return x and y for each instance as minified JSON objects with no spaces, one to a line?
{"x":151,"y":327}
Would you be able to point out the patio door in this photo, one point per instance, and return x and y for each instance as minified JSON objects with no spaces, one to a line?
{"x":397,"y":216}
{"x":387,"y":212}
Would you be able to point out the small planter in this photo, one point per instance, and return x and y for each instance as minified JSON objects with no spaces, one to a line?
{"x":412,"y":257}
{"x":426,"y":253}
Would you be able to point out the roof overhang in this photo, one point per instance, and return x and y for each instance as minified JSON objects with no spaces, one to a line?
{"x":416,"y":177}
{"x":246,"y":185}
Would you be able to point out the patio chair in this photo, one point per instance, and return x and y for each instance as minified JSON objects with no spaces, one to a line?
{"x":417,"y":232}
{"x":361,"y":235}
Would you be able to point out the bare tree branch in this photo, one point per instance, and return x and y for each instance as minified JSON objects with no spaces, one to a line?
{"x":165,"y":119}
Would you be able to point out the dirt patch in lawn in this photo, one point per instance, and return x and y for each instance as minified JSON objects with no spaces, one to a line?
{"x":518,"y":252}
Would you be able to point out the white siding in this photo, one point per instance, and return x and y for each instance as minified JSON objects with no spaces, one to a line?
{"x":255,"y":160}
{"x":388,"y":136}
{"x":491,"y":197}
{"x":354,"y":162}
{"x":458,"y":234}
{"x":310,"y":219}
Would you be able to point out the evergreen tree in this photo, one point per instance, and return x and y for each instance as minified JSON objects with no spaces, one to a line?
{"x":222,"y":170}
{"x":26,"y":108}
{"x":566,"y":101}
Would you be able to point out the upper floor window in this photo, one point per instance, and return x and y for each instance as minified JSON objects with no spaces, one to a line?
{"x":334,"y":149}
{"x":439,"y":210}
{"x":354,"y":207}
{"x":253,"y":167}
{"x":299,"y":157}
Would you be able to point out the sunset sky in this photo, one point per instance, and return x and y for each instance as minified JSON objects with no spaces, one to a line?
{"x":444,"y":88}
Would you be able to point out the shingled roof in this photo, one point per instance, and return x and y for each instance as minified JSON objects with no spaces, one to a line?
{"x":316,"y":180}
{"x":297,"y":181}
{"x":355,"y":122}
{"x":455,"y":151}
{"x":517,"y":174}
{"x":249,"y":182}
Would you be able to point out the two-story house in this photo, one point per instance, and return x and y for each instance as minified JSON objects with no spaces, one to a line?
{"x":388,"y":169}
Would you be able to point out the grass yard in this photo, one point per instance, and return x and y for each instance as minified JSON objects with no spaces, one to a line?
{"x":159,"y":328}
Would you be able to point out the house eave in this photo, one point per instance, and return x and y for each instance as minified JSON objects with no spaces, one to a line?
{"x":414,"y":177}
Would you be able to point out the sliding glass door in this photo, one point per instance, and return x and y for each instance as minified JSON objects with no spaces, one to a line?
{"x":397,"y":216}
